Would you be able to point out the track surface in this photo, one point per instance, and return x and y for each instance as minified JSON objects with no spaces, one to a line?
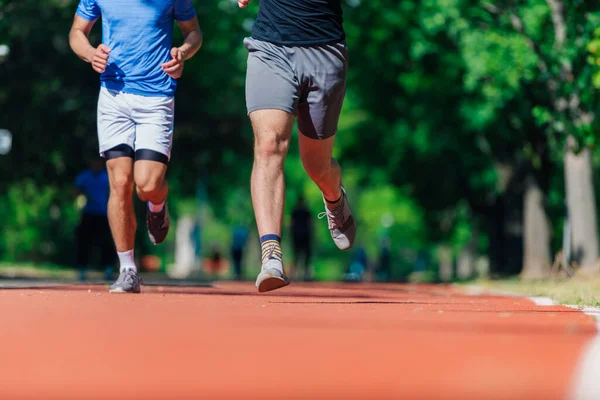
{"x":314,"y":341}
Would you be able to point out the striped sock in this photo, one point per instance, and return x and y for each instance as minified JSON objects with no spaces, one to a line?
{"x":271,"y":247}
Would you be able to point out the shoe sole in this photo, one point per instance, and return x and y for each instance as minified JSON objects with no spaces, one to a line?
{"x":120,"y":290}
{"x":348,"y":248}
{"x":155,"y":242}
{"x":272,"y":283}
{"x":344,"y":249}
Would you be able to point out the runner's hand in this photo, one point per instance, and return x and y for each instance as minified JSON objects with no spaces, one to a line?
{"x":174,"y":68}
{"x":99,"y":58}
{"x":243,"y":3}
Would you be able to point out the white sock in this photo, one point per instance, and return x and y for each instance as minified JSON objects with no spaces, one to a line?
{"x":126,"y":260}
{"x":155,"y":207}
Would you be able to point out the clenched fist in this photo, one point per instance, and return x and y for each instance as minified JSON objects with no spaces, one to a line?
{"x":174,"y":68}
{"x":99,"y":58}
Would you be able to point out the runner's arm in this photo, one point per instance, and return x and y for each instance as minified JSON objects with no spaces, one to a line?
{"x":78,"y":38}
{"x":80,"y":44}
{"x":192,"y":37}
{"x":191,"y":43}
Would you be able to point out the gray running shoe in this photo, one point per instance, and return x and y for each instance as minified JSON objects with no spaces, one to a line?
{"x":341,"y":223}
{"x":158,"y":224}
{"x":128,"y":282}
{"x":272,"y":276}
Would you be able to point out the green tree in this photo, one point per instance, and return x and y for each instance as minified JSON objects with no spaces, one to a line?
{"x":559,"y":87}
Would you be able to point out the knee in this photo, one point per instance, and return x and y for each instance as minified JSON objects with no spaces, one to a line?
{"x":121,"y":186}
{"x":147,"y":185}
{"x":271,"y":145}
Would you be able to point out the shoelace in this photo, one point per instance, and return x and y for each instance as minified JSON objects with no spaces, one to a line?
{"x":157,"y":219}
{"x":127,"y":276}
{"x":267,"y":265}
{"x":335,"y":218}
{"x":266,"y":259}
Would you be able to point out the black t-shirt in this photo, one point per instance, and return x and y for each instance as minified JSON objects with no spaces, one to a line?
{"x":299,"y":22}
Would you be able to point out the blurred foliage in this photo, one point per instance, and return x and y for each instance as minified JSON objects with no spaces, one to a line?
{"x":451,"y":104}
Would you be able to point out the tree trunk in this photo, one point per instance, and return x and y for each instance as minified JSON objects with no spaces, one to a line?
{"x":536,"y":239}
{"x":504,"y":222}
{"x":445,"y":259}
{"x":581,"y":205}
{"x":482,"y":267}
{"x":465,"y":268}
{"x":185,"y":249}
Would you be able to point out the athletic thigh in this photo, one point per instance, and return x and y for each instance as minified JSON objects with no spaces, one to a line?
{"x":154,"y":119}
{"x":272,"y":128}
{"x":120,"y":174}
{"x":148,"y":173}
{"x":322,"y":72}
{"x":115,"y":124}
{"x":270,"y":79}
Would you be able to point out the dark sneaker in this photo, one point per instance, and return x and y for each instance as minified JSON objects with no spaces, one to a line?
{"x":272,"y":276}
{"x":341,"y":223}
{"x":158,"y":224}
{"x":128,"y":282}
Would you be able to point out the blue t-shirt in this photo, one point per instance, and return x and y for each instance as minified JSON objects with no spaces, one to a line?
{"x":139,"y":34}
{"x":95,"y":188}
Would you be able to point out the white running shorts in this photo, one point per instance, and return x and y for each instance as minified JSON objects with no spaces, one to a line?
{"x":140,"y":122}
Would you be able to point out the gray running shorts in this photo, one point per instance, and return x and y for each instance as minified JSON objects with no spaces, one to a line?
{"x":308,"y":81}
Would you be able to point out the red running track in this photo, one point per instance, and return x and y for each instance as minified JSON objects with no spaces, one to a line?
{"x":313,"y":341}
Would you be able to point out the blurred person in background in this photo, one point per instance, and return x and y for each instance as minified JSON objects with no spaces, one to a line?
{"x":238,"y":245}
{"x":358,"y":265}
{"x":384,"y":264}
{"x":93,"y":230}
{"x":302,"y":236}
{"x":215,"y":264}
{"x":138,"y":70}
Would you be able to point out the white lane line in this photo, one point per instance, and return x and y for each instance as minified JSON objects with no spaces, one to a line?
{"x":586,"y":380}
{"x":586,"y":384}
{"x":479,"y":291}
{"x":542,"y":301}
